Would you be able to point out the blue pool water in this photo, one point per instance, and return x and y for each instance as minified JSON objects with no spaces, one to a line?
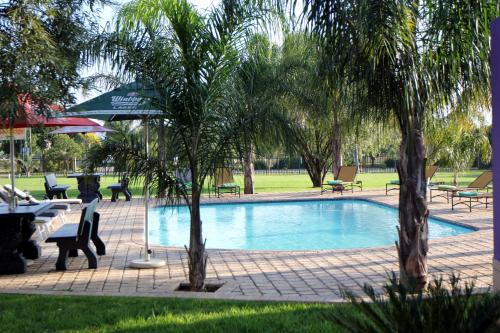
{"x":296,"y":225}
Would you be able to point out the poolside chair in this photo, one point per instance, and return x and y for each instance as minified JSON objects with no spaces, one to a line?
{"x":446,"y":191}
{"x":224,"y":183}
{"x":430,"y":171}
{"x":121,"y":187}
{"x":43,"y":222}
{"x":53,"y":189}
{"x":471,"y":199}
{"x":28,"y":197}
{"x":183,"y":182}
{"x":346,"y":180}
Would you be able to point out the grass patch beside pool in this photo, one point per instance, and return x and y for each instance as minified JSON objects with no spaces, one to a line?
{"x":36,"y":313}
{"x":263,"y":183}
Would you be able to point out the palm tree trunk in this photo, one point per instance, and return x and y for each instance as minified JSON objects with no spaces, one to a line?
{"x":336,"y":147}
{"x":315,"y":170}
{"x":413,"y":213}
{"x":197,"y":258}
{"x":161,"y":152}
{"x":249,"y":169}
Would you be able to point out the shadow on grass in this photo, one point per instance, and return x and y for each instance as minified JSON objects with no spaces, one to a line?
{"x":33,"y":313}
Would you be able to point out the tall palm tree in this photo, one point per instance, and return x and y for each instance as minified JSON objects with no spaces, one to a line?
{"x":300,"y":90}
{"x":253,"y":78}
{"x":409,"y":59}
{"x":189,"y":59}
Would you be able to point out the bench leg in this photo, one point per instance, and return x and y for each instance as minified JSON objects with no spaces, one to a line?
{"x":114,"y":196}
{"x":73,"y":253}
{"x":91,"y":256}
{"x":127,"y":195}
{"x":62,"y":258}
{"x":64,"y":195}
{"x":94,"y":236}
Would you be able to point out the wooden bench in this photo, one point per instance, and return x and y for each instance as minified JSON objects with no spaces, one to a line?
{"x":118,"y":188}
{"x":52,"y":189}
{"x":71,"y":237}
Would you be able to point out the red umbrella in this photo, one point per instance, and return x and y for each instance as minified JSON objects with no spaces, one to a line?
{"x":28,"y":117}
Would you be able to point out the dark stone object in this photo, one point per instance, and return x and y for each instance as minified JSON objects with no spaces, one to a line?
{"x":16,"y":229}
{"x":75,"y":236}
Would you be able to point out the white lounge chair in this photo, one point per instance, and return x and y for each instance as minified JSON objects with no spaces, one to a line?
{"x":30,"y":198}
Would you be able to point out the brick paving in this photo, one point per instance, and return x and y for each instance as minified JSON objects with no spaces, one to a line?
{"x":253,"y":275}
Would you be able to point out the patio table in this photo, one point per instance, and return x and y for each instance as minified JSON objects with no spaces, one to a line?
{"x":88,"y":185}
{"x":16,"y":229}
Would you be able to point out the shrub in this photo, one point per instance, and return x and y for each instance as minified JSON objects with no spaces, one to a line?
{"x":438,"y":309}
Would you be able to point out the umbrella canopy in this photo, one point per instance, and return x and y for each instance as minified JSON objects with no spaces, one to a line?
{"x":128,"y":102}
{"x":28,"y":117}
{"x":81,"y":129}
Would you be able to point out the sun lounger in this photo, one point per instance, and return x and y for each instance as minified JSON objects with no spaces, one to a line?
{"x":346,"y":180}
{"x":471,"y":199}
{"x":446,"y":191}
{"x":430,"y":171}
{"x":224,"y":183}
{"x":59,"y":203}
{"x":43,"y":222}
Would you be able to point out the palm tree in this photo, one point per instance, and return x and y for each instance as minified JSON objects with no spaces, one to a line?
{"x":257,"y":108}
{"x":408,"y":60}
{"x":189,"y":59}
{"x":307,"y":110}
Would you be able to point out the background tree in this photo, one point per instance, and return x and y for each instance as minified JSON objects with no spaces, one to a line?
{"x":409,"y":59}
{"x":253,"y":78}
{"x":300,"y":91}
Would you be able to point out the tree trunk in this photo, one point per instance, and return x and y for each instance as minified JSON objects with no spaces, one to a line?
{"x":161,"y":152}
{"x":455,"y":178}
{"x":314,"y":170}
{"x":197,"y":258}
{"x":336,"y":148}
{"x":249,"y":169}
{"x":413,"y":213}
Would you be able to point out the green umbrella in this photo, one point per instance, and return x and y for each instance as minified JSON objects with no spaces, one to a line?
{"x":128,"y":102}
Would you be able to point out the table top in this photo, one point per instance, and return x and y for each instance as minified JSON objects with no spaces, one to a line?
{"x":79,"y":175}
{"x":25,"y":209}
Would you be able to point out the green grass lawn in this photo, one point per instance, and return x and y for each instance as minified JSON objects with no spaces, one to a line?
{"x":35,"y":313}
{"x":263,"y":183}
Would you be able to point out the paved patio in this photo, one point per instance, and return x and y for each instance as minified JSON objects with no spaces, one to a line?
{"x":253,"y":275}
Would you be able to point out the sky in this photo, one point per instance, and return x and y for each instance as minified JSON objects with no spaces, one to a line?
{"x":107,"y":14}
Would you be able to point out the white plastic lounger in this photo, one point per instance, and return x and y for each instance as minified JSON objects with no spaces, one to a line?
{"x":32,"y":199}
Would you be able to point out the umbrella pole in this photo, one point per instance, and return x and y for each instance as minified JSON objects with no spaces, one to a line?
{"x":12,"y":203}
{"x":147,"y":262}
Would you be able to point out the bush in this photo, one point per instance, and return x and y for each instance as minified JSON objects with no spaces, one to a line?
{"x":438,"y":309}
{"x":390,"y":163}
{"x":260,"y":165}
{"x":288,"y":163}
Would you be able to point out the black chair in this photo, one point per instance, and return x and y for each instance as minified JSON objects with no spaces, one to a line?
{"x":74,"y":236}
{"x":121,"y":187}
{"x":52,"y":189}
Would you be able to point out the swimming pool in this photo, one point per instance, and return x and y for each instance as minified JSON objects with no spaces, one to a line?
{"x":288,"y":225}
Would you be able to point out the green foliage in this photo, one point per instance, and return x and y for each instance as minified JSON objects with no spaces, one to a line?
{"x":41,"y":43}
{"x":443,"y":307}
{"x":302,"y":93}
{"x":62,"y":152}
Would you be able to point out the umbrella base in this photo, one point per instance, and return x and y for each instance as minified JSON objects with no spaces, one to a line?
{"x":151,"y":263}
